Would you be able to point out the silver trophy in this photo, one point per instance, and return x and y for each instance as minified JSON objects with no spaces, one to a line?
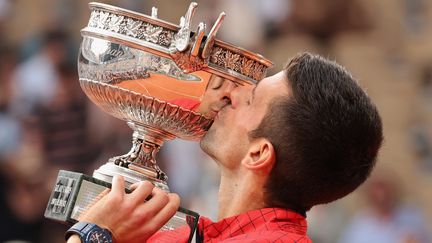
{"x":151,"y":74}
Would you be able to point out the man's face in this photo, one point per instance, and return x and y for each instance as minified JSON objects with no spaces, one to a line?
{"x":227,"y":141}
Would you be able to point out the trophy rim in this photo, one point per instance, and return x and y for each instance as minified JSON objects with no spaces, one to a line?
{"x":133,"y":14}
{"x":223,"y":68}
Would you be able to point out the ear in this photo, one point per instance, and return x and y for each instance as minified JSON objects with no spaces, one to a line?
{"x":260,"y":156}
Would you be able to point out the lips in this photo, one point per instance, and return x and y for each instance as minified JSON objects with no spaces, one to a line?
{"x":221,"y":111}
{"x":212,"y":113}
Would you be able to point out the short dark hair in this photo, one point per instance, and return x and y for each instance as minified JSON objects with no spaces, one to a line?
{"x":326,"y":135}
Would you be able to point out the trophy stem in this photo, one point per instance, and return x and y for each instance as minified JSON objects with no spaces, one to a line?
{"x":141,"y":158}
{"x":140,"y":162}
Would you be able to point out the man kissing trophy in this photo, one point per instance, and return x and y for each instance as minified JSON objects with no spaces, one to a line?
{"x":152,"y":74}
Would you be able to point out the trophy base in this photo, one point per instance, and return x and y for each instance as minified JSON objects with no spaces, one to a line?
{"x":74,"y":192}
{"x":108,"y":170}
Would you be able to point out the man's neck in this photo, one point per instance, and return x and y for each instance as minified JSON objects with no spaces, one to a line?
{"x":239,"y":193}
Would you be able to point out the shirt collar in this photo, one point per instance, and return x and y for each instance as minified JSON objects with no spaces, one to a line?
{"x":257,"y":220}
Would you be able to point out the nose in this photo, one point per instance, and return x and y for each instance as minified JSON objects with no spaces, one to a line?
{"x":227,"y":88}
{"x":240,"y":94}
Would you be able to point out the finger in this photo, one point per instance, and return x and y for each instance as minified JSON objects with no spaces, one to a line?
{"x":95,"y":200}
{"x":165,"y":214}
{"x":134,"y":186}
{"x":98,"y":197}
{"x":103,"y":193}
{"x":118,"y":186}
{"x":141,"y":192}
{"x":168,"y":210}
{"x":151,"y":207}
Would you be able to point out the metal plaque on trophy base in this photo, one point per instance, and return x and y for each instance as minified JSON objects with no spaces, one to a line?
{"x":151,"y":74}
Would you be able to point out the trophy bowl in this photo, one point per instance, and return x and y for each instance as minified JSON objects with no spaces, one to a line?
{"x":152,"y":74}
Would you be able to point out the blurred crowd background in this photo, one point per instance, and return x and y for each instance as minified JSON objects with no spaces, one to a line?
{"x":47,"y":123}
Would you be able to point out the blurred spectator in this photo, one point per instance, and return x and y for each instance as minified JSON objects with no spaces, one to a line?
{"x":64,"y":122}
{"x":420,"y":130}
{"x":415,"y":16}
{"x":421,"y":143}
{"x":323,"y":20}
{"x":23,"y":174}
{"x":387,"y":220}
{"x":10,"y":129}
{"x":318,"y":218}
{"x":274,"y":14}
{"x":4,"y":10}
{"x":9,"y":134}
{"x":426,"y":84}
{"x":244,"y":25}
{"x":36,"y":79}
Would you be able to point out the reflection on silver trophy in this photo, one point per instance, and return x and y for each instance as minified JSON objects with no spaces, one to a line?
{"x":152,"y":74}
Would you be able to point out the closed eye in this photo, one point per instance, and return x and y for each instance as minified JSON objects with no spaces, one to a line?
{"x":216,"y":83}
{"x":218,"y":86}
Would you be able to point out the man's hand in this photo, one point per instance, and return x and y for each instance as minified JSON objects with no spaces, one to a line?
{"x":128,"y":216}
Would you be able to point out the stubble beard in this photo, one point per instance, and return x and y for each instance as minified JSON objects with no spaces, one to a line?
{"x":207,"y":143}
